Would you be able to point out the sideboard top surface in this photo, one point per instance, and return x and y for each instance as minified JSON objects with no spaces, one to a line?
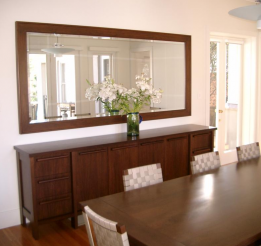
{"x":71,"y":144}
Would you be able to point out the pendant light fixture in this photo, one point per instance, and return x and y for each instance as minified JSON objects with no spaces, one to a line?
{"x":252,"y":12}
{"x":58,"y":50}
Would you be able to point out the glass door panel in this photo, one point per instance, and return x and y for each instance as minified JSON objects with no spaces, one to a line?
{"x":225,"y":81}
{"x":233,"y":78}
{"x":214,"y":56}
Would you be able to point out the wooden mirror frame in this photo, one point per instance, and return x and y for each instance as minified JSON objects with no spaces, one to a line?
{"x":22,"y":74}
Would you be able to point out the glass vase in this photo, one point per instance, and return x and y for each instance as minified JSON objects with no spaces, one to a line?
{"x":133,"y":120}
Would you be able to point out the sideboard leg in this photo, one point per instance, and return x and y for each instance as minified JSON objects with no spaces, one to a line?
{"x":23,"y":220}
{"x":35,"y":231}
{"x":74,"y":222}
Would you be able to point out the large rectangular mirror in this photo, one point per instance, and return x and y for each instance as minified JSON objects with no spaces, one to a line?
{"x":54,"y":61}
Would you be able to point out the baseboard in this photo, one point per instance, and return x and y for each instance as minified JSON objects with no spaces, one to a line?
{"x":80,"y":220}
{"x":9,"y":218}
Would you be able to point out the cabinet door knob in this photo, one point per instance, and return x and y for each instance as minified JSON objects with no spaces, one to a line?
{"x":220,"y":111}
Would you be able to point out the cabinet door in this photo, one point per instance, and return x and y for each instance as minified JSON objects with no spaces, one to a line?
{"x":90,"y":174}
{"x":176,"y":157}
{"x":121,"y":157}
{"x":152,"y":151}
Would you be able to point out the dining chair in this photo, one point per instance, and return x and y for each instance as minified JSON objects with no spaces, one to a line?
{"x":204,"y":162}
{"x":104,"y":232}
{"x":248,"y":151}
{"x":143,"y":176}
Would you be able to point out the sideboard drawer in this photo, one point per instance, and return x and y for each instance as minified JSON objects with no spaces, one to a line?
{"x":53,"y":186}
{"x":201,"y":142}
{"x":201,"y":151}
{"x":51,"y":208}
{"x":49,"y":165}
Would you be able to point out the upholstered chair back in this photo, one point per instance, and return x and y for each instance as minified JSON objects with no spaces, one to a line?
{"x":205,"y":162}
{"x":139,"y":177}
{"x":104,"y":232}
{"x":248,"y":151}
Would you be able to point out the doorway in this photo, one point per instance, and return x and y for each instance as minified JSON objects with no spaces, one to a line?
{"x":226,"y":66}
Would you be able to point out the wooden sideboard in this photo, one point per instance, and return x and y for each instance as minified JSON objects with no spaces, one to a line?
{"x":55,"y":176}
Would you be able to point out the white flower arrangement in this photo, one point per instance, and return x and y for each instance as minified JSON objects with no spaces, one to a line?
{"x":108,"y":92}
{"x":134,"y":99}
{"x":92,"y":93}
{"x":115,"y":96}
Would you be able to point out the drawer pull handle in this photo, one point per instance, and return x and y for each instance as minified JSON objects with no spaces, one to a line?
{"x":124,"y":147}
{"x":51,"y":180}
{"x":92,"y":152}
{"x":52,"y":158}
{"x":196,"y":135}
{"x":57,"y":200}
{"x":160,"y":141}
{"x":200,"y":150}
{"x":173,"y":139}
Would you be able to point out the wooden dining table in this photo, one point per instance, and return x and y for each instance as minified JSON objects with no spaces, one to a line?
{"x":221,"y":207}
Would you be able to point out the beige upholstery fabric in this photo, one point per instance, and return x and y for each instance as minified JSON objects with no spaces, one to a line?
{"x":248,"y":151}
{"x":205,"y":162}
{"x":139,"y":177}
{"x":106,"y":232}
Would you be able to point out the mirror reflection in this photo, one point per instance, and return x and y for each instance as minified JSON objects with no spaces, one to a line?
{"x":58,"y":66}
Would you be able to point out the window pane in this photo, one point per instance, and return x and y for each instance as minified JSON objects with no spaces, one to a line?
{"x":37,"y":85}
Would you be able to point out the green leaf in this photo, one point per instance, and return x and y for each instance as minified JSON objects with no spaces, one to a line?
{"x":88,"y":82}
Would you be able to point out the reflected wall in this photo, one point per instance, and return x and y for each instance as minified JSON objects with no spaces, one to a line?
{"x":57,"y":82}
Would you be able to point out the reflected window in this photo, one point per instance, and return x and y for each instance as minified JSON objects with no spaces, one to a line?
{"x":37,"y":85}
{"x":65,"y":73}
{"x":102,"y":67}
{"x":65,"y":77}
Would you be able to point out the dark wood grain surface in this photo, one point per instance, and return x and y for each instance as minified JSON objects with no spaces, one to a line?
{"x":90,"y":174}
{"x":75,"y":144}
{"x":120,"y":157}
{"x":217,"y":208}
{"x":53,"y":234}
{"x":176,"y":152}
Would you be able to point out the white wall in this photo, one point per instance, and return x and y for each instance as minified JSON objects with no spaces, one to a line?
{"x":168,"y":71}
{"x":196,"y":18}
